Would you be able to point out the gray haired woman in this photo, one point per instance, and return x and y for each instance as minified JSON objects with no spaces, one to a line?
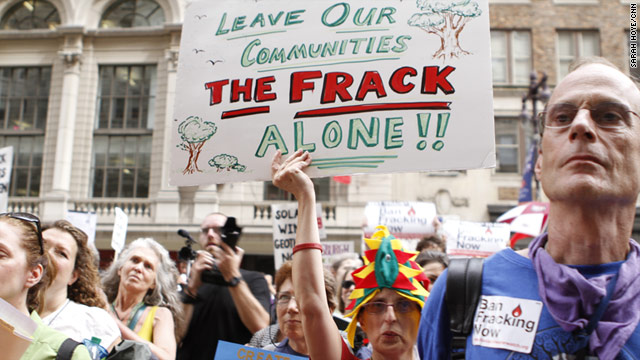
{"x":141,"y":288}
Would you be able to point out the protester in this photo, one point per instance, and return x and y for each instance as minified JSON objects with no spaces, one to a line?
{"x":24,"y":276}
{"x":232,"y":311}
{"x":141,"y":287}
{"x":346,"y":287}
{"x":549,"y":296}
{"x":433,"y":263}
{"x":344,"y":261}
{"x":289,"y":320}
{"x":388,"y":294}
{"x":432,"y":242}
{"x":73,"y":303}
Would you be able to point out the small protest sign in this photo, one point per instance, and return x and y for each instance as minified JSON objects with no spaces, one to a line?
{"x":331,"y":250}
{"x":85,"y":221}
{"x":364,"y":85}
{"x":119,"y":236}
{"x":231,"y":351}
{"x":405,"y":220}
{"x":476,"y":239}
{"x":285,"y":224}
{"x":6,"y":164}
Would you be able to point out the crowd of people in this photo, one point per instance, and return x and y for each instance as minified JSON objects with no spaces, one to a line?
{"x":576,"y":287}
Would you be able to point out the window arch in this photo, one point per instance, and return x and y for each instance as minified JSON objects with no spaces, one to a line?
{"x":132,"y":13}
{"x":31,"y":14}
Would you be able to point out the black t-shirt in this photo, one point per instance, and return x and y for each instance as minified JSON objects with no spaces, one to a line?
{"x":215,"y":318}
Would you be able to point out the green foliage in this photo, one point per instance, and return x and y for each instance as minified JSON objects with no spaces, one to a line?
{"x":196,"y":130}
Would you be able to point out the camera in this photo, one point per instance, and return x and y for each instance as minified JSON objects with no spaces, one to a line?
{"x":229,"y":233}
{"x":186,"y":253}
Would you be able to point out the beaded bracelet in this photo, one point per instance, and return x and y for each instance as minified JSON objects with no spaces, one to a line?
{"x":307,"y":246}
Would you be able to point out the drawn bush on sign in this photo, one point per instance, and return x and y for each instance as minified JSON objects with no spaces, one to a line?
{"x":445,"y":18}
{"x":194,"y":132}
{"x":226,"y":162}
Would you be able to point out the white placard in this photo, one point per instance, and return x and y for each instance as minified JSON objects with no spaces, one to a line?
{"x":503,"y":322}
{"x":85,"y":221}
{"x":405,"y":220}
{"x":6,"y":164}
{"x":366,"y":86}
{"x":285,"y":224}
{"x":476,"y":239}
{"x":119,"y":236}
{"x":331,"y":250}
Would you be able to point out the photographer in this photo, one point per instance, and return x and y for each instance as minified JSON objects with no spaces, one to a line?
{"x":230,"y":305}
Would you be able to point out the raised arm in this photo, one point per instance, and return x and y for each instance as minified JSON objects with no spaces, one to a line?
{"x":322,"y":335}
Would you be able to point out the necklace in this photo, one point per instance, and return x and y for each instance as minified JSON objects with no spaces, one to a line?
{"x":58,"y":312}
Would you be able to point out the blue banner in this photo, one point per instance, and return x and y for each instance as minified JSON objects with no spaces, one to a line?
{"x":231,"y":351}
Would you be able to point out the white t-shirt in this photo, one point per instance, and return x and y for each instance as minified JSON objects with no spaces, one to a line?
{"x":81,"y":322}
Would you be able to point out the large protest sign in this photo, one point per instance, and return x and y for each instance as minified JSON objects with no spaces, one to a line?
{"x":364,"y":85}
{"x":6,"y":164}
{"x":285,"y":224}
{"x":476,"y":239}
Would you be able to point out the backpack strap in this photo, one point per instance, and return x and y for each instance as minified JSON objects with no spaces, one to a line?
{"x":66,"y":349}
{"x":464,"y":287}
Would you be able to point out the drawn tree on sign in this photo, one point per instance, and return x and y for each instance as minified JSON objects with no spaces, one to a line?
{"x":226,"y":162}
{"x":445,"y":18}
{"x":194,"y":132}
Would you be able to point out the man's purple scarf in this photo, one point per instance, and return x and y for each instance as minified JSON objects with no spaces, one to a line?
{"x":571,"y":299}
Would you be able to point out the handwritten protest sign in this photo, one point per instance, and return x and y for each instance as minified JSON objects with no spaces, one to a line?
{"x":332,"y":250}
{"x":285,"y":224}
{"x":476,"y":239}
{"x":6,"y":164}
{"x":364,"y":85}
{"x":231,"y":351}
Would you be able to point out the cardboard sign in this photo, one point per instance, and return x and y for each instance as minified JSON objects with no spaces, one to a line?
{"x":119,"y":236}
{"x":85,"y":221}
{"x":405,"y":220}
{"x":476,"y":239}
{"x":504,"y":322}
{"x":6,"y":164}
{"x":285,"y":224}
{"x":364,"y":85}
{"x":231,"y":351}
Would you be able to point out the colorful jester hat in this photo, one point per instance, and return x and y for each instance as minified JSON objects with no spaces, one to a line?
{"x":386,"y":266}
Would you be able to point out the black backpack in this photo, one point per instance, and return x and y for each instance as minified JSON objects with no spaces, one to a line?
{"x":464,"y":287}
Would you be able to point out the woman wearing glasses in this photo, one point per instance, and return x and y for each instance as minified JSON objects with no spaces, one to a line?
{"x":141,"y":288}
{"x":346,"y":287}
{"x":24,"y":275}
{"x":73,"y":302}
{"x":388,"y":293}
{"x":289,"y":313}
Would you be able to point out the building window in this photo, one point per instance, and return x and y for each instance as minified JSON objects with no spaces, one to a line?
{"x":511,"y":57}
{"x":573,"y":45}
{"x":507,"y":146}
{"x":31,"y":14}
{"x":24,"y":98}
{"x":326,"y":190}
{"x":122,"y":138}
{"x":132,"y":13}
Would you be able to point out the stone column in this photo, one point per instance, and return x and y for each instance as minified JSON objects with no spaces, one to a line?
{"x":55,"y":201}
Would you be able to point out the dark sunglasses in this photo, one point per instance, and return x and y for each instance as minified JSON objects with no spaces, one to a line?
{"x":348,"y":283}
{"x":30,"y":218}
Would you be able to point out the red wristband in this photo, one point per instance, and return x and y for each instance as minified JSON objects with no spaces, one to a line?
{"x":307,"y":246}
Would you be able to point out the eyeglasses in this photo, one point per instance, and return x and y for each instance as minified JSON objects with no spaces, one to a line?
{"x":400,"y":307}
{"x":607,"y":115}
{"x":284,"y":299}
{"x":348,"y":283}
{"x":30,"y":218}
